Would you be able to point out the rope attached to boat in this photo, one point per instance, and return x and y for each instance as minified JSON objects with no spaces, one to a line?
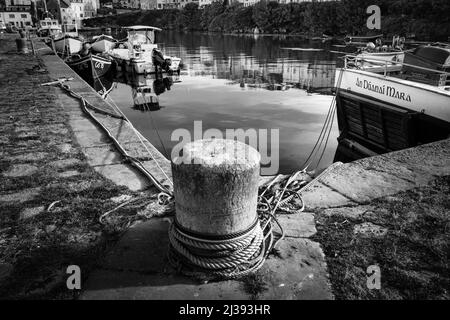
{"x":166,"y":193}
{"x":325,"y":132}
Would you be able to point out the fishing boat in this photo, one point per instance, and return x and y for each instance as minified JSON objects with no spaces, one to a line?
{"x":91,"y":66}
{"x":69,"y":42}
{"x":48,"y":28}
{"x":103,"y":43}
{"x":140,"y":54}
{"x":357,"y":40}
{"x":377,"y":53}
{"x":394,"y":106}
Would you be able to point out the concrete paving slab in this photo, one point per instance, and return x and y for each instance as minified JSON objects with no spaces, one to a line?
{"x":102,"y":155}
{"x":113,"y":285}
{"x":298,"y":225}
{"x":143,"y":248}
{"x":137,"y":268}
{"x":298,"y":274}
{"x":123,"y":175}
{"x":321,"y":196}
{"x":362,"y":185}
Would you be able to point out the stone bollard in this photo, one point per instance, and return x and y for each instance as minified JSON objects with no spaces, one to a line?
{"x":216,"y":187}
{"x":22,"y":46}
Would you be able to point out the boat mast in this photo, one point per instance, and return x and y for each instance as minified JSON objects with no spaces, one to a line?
{"x":60,"y":13}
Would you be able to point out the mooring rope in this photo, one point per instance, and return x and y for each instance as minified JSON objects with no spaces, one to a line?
{"x":134,"y":161}
{"x":115,"y":107}
{"x":325,"y":132}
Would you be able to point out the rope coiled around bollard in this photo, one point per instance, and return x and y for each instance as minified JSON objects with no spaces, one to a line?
{"x":233,"y":256}
{"x":225,"y":257}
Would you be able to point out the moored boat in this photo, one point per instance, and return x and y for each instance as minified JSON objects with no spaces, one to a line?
{"x":395,"y":106}
{"x":90,"y":66}
{"x":361,"y":39}
{"x":103,"y":43}
{"x":48,"y":27}
{"x":69,"y":42}
{"x":140,"y":54}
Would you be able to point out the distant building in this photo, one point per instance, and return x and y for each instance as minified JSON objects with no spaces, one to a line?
{"x":202,"y":3}
{"x":73,"y":11}
{"x":20,"y":19}
{"x":15,"y":5}
{"x":146,"y":4}
{"x":174,"y":4}
{"x":16,"y":13}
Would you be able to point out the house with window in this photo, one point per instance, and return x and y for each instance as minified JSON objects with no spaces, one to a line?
{"x":16,"y":13}
{"x":73,"y":11}
{"x":20,"y":19}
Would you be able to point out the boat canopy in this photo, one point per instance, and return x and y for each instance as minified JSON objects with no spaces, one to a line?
{"x":141,"y":34}
{"x":143,"y":28}
{"x":438,"y":55}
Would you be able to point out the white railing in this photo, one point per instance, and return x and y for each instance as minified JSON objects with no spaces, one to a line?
{"x":385,"y":63}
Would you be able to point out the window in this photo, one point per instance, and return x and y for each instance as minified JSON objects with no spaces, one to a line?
{"x":81,"y":15}
{"x":23,"y":16}
{"x":12,"y":16}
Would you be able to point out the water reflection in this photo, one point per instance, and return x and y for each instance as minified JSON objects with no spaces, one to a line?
{"x":231,"y":82}
{"x":273,"y":63}
{"x":145,"y":89}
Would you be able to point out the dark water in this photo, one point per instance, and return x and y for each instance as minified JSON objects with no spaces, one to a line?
{"x":243,"y":82}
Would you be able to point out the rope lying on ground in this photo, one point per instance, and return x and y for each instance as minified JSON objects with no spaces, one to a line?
{"x":133,"y":160}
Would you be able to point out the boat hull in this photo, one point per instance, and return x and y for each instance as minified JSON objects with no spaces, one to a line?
{"x":68,"y":45}
{"x":91,"y":67}
{"x":103,"y":45}
{"x":376,"y":57}
{"x":384,"y":114}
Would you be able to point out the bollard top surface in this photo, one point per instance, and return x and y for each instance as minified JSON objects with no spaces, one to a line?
{"x":219,"y":152}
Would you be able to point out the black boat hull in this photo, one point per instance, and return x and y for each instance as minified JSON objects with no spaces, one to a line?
{"x":91,"y":67}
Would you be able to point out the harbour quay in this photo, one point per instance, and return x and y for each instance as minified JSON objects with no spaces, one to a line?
{"x":81,"y":186}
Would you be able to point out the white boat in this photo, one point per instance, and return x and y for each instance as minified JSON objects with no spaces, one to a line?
{"x":69,"y":41}
{"x":140,"y":54}
{"x":395,"y":105}
{"x":103,"y":43}
{"x":378,"y":54}
{"x":382,"y":57}
{"x":49,"y":28}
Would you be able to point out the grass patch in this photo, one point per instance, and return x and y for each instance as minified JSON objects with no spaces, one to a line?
{"x":413,"y":256}
{"x":254,"y":284}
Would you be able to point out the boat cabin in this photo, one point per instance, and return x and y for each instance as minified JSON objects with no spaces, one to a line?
{"x":138,"y":35}
{"x":48,"y":27}
{"x":70,"y":30}
{"x":48,"y":23}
